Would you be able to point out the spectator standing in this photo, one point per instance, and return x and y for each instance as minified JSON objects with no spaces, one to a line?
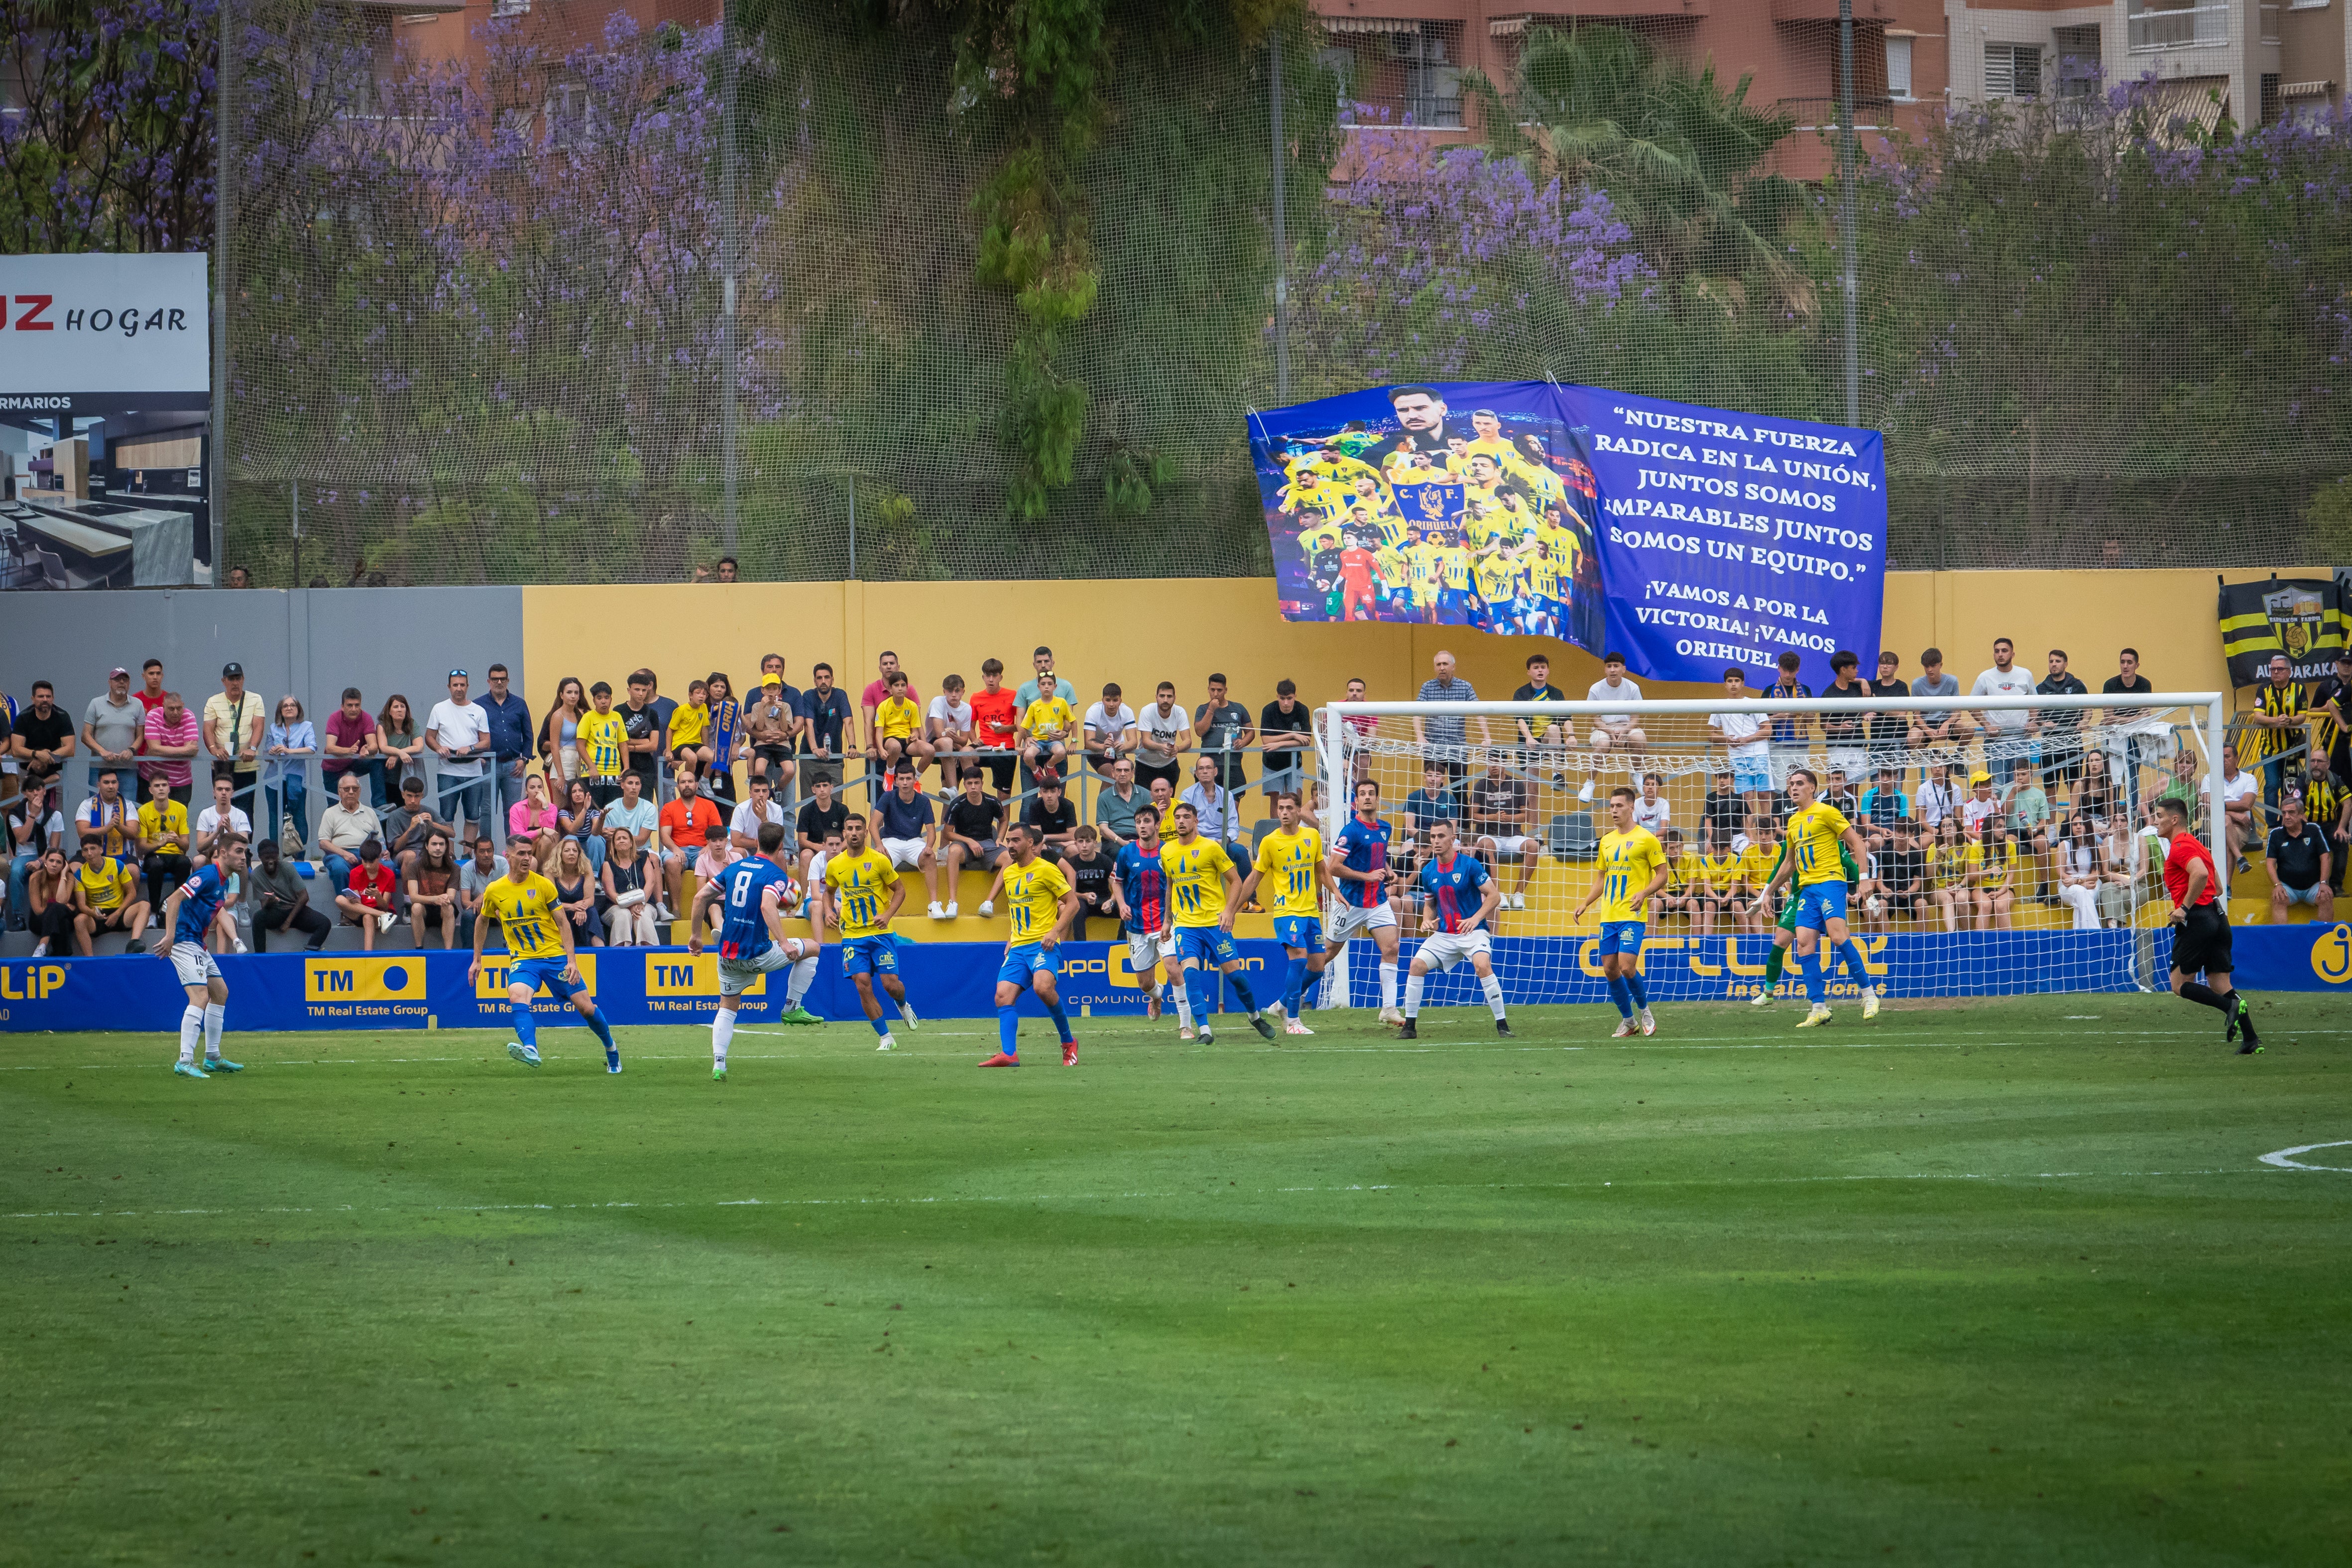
{"x":233,"y":726}
{"x":2277,"y":725}
{"x":151,"y":693}
{"x":458,"y":730}
{"x":407,"y":825}
{"x":172,"y":737}
{"x":281,"y":901}
{"x":2331,"y":721}
{"x":1115,"y":806}
{"x":43,"y":737}
{"x":2062,"y":728}
{"x":1212,"y":802}
{"x":1844,"y":735}
{"x":722,"y":740}
{"x":287,"y":746}
{"x":2008,"y":731}
{"x":1888,"y":730}
{"x":1545,"y":735}
{"x":558,"y":737}
{"x":110,"y":817}
{"x":399,"y":746}
{"x":1792,"y":732}
{"x":36,"y":828}
{"x":1943,"y":731}
{"x":511,"y":742}
{"x":822,"y":817}
{"x":349,"y":747}
{"x":1741,"y":726}
{"x":772,"y":723}
{"x":1724,"y":810}
{"x":432,"y":882}
{"x":1223,"y":729}
{"x":692,"y":834}
{"x":1287,"y":731}
{"x":475,"y":875}
{"x":906,"y":832}
{"x":1445,"y":737}
{"x":112,"y":727}
{"x":1162,"y":733}
{"x":1610,"y":731}
{"x":369,"y":893}
{"x":1111,"y":730}
{"x":2300,"y":857}
{"x":604,"y":747}
{"x":342,"y":828}
{"x":647,"y":724}
{"x":165,"y":838}
{"x":825,"y":733}
{"x":2327,"y":803}
{"x":1034,"y":687}
{"x":2240,"y":792}
{"x":968,"y":833}
{"x":2129,"y":751}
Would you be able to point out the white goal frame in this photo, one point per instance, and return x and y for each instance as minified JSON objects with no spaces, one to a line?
{"x":1331,"y":752}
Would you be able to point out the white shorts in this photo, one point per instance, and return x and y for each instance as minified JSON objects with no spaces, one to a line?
{"x":1344,"y":920}
{"x":1445,"y":950}
{"x":905,"y":854}
{"x":1144,"y":951}
{"x":192,"y":965}
{"x":736,"y":975}
{"x":1515,"y":844}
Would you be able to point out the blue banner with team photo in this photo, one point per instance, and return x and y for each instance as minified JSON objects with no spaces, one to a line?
{"x":1457,"y":504}
{"x":1726,"y":540}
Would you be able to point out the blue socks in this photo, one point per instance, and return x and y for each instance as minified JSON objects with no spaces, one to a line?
{"x":881,"y":1024}
{"x":1060,"y":1019}
{"x":1293,"y":981}
{"x":1640,"y":988}
{"x":1241,"y":988}
{"x":1809,"y":965}
{"x":604,"y":1033}
{"x":1622,"y":994}
{"x":1854,"y":960}
{"x":1197,"y":991}
{"x":1008,"y":1031}
{"x":526,"y":1026}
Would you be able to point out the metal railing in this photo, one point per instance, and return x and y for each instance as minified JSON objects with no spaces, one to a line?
{"x":1412,"y":112}
{"x":2177,"y":27}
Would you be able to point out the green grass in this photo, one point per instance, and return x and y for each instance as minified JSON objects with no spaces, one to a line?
{"x":1993,"y":1283}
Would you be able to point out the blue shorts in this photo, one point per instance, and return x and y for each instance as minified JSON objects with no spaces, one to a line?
{"x":1818,"y":903}
{"x":1024,"y":962}
{"x":1622,"y":936}
{"x":1751,"y":775}
{"x":1213,"y":945}
{"x":1299,"y":931}
{"x":870,"y":954}
{"x":547,"y":971}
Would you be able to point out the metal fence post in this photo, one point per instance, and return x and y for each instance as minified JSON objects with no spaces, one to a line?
{"x":729,"y":342}
{"x":223,"y":203}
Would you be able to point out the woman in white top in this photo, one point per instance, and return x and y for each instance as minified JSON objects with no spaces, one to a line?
{"x":2080,"y":875}
{"x":2119,"y":869}
{"x":558,"y":737}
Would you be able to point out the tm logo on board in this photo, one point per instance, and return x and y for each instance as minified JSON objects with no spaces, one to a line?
{"x":329,"y":979}
{"x":492,"y":985}
{"x":689,"y":975}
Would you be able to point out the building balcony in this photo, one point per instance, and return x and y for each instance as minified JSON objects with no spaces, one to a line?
{"x":2152,"y":27}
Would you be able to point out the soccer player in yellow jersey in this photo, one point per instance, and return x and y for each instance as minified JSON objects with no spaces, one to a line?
{"x":1043,"y":736}
{"x":1488,"y":439}
{"x":1632,"y":869}
{"x":1454,"y":573}
{"x":1323,"y":535}
{"x":604,"y":740}
{"x":1815,"y":831}
{"x":1289,"y":880}
{"x":1495,"y":573}
{"x":522,"y":904}
{"x":861,"y":895}
{"x":1425,"y":558}
{"x":1395,"y":570}
{"x":1202,"y":903}
{"x":1040,"y":905}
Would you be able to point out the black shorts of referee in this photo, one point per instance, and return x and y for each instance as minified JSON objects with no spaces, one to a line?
{"x":2201,"y":941}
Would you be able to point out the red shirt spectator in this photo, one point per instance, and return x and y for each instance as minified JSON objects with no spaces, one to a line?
{"x":345,"y":730}
{"x":2185,"y":851}
{"x":994,"y":715}
{"x":371,"y":885}
{"x":161,"y":730}
{"x":690,"y":823}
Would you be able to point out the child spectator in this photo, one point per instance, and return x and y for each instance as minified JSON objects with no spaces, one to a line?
{"x":367,"y":894}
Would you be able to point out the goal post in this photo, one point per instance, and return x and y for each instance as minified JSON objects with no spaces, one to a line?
{"x":2060,"y":894}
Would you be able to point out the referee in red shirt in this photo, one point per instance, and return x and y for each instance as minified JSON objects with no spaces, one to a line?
{"x":2201,"y":926}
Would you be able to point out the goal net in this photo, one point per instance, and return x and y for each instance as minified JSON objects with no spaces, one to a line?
{"x":2008,"y":840}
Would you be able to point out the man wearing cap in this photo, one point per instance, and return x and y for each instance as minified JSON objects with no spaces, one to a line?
{"x":460,"y":733}
{"x":111,"y":727}
{"x":1981,"y":804}
{"x":232,"y":734}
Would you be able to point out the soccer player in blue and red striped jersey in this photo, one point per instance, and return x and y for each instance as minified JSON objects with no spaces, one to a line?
{"x":1359,"y":863}
{"x":1139,"y":888}
{"x":1450,"y":883}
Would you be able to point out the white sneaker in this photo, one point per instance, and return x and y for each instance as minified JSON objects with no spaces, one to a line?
{"x":1518,"y":900}
{"x":950,"y":912}
{"x":41,"y":948}
{"x":937,"y":912}
{"x":886,"y":1044}
{"x":1586,"y":793}
{"x":1624,"y":1026}
{"x":1274,"y":1010}
{"x":1294,"y":1027}
{"x":1184,"y":1033}
{"x":1761,"y":999}
{"x":1391,"y":1016}
{"x":906,"y":1011}
{"x":987,"y":907}
{"x":1649,"y":1025}
{"x":1869,"y":1004}
{"x":383,"y":922}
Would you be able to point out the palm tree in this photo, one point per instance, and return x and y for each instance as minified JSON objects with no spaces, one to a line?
{"x":1596,"y":106}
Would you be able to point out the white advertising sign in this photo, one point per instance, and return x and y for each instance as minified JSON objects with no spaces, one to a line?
{"x":103,"y":331}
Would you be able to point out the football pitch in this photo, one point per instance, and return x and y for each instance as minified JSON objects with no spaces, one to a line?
{"x":1996,"y":1283}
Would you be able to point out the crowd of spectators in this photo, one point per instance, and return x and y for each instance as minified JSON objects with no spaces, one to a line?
{"x":1966,"y":811}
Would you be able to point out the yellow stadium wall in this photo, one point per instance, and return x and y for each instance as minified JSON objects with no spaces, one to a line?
{"x":1140,"y":633}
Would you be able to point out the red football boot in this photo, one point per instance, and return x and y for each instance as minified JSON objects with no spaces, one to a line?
{"x":1001,"y":1060}
{"x":1070,"y":1053}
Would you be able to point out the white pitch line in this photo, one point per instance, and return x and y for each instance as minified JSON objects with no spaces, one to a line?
{"x":2284,"y":1159}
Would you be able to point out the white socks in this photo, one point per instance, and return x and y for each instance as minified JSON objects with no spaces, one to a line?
{"x":804,"y":976}
{"x":1388,"y":983}
{"x":215,"y":1017}
{"x":722,"y":1029}
{"x":1183,"y":1005}
{"x":1493,"y":987}
{"x":192,"y":1029}
{"x":1413,"y":985}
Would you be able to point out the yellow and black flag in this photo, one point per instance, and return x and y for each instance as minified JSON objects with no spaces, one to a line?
{"x":2302,"y":618}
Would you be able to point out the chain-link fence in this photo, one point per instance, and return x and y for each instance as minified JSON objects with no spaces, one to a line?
{"x":554,"y":305}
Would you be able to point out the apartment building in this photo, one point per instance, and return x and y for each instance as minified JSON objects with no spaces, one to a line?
{"x":1403,"y":60}
{"x":2251,"y":60}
